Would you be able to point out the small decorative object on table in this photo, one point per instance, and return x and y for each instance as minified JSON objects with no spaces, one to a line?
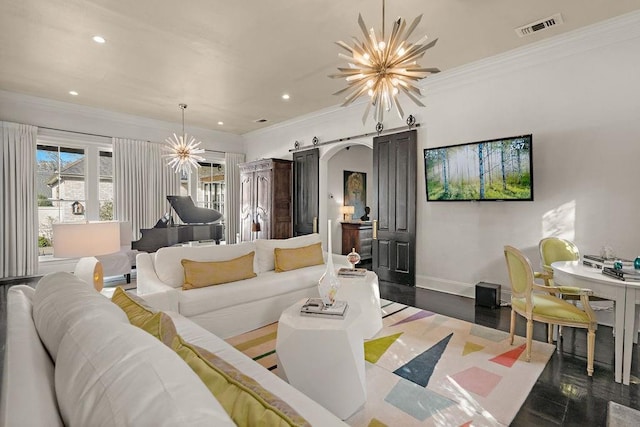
{"x":352,"y":272}
{"x":329,"y":284}
{"x":315,"y":307}
{"x":354,"y":257}
{"x":636,"y":263}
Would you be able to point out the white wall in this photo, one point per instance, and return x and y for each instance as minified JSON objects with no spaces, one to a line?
{"x":577,"y":94}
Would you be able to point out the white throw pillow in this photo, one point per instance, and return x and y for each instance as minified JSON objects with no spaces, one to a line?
{"x":168,"y":260}
{"x":62,"y":300}
{"x":266,"y":260}
{"x":119,"y":375}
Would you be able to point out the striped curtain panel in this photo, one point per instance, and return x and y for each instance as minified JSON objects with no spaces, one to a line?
{"x":142,"y":182}
{"x":232,"y":195}
{"x":19,"y":208}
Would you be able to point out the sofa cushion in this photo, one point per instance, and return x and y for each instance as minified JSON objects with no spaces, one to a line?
{"x":265,"y":248}
{"x":133,"y":306}
{"x":246,"y":402}
{"x":265,"y":285}
{"x":123,"y":376}
{"x":168,"y":265}
{"x":62,"y":300}
{"x":199,"y":274}
{"x":294,"y":258}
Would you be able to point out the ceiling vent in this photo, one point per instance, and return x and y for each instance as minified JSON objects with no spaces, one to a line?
{"x":542,"y":24}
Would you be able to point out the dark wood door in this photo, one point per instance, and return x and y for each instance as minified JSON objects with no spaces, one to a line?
{"x":394,"y":210}
{"x":305,"y":194}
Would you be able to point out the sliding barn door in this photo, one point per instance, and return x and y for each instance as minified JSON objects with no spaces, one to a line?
{"x":394,"y":212}
{"x":305,"y":191}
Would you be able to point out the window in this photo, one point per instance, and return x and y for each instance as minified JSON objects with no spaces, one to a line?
{"x":105,"y":189}
{"x":60,"y":190}
{"x":211,"y":186}
{"x":74,"y":182}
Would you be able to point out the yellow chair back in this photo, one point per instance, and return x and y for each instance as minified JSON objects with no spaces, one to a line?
{"x":554,"y":249}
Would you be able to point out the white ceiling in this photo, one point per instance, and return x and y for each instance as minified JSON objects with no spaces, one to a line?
{"x":231,"y":61}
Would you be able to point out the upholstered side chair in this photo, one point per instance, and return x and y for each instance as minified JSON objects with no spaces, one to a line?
{"x":540,"y":303}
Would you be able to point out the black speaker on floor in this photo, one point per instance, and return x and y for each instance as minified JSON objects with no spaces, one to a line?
{"x":488,"y":295}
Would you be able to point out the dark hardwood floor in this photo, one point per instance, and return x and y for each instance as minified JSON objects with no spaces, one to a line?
{"x":563,"y":395}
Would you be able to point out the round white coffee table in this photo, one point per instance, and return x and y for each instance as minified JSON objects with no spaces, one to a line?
{"x":324,"y":358}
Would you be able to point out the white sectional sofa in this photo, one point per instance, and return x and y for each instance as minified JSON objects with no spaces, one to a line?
{"x":231,"y":308}
{"x":72,"y":358}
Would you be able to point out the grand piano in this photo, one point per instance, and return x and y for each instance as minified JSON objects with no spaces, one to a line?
{"x":199,"y":224}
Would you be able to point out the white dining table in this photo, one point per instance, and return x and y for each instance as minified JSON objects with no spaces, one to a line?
{"x":625,"y":296}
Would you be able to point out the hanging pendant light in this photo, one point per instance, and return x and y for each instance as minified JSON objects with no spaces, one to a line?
{"x":183,"y":150}
{"x":382,"y":68}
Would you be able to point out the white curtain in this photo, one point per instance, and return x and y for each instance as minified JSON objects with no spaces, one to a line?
{"x":232,"y":195}
{"x":19,"y":209}
{"x":142,"y":183}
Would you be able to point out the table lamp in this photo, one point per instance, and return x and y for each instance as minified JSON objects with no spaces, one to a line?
{"x":348,"y":212}
{"x":86,"y":240}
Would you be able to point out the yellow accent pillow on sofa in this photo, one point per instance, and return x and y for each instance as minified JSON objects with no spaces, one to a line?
{"x":161,"y":326}
{"x":287,"y":259}
{"x":134,"y":307}
{"x":246,"y":401}
{"x":199,"y":274}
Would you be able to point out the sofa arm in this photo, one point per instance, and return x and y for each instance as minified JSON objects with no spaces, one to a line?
{"x":149,"y":286}
{"x":167,"y":300}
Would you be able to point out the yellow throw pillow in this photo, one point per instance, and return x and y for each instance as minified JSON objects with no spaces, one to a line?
{"x":161,"y":326}
{"x":134,"y":307}
{"x":199,"y":274}
{"x":246,"y":401}
{"x":294,"y":258}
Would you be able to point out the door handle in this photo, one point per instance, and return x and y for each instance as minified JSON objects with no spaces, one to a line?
{"x":315,"y":224}
{"x":375,"y":229}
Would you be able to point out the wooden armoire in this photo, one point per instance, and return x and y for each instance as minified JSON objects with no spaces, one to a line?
{"x":266,"y":199}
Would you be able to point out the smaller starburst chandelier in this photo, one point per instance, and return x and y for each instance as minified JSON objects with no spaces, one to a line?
{"x":183,"y":150}
{"x":382,"y":68}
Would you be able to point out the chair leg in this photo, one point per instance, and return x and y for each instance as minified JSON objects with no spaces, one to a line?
{"x":529,"y":338}
{"x":591,"y":343}
{"x":128,"y":277}
{"x":512,"y":327}
{"x":550,"y":333}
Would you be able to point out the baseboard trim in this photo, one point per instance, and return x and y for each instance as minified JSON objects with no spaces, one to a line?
{"x":446,"y":286}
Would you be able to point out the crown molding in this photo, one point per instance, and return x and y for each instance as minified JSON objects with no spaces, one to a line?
{"x":615,"y":30}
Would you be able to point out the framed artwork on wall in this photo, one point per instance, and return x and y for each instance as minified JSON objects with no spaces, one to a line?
{"x":355,"y":192}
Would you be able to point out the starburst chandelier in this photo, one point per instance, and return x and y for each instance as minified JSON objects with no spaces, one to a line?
{"x":183,"y":150}
{"x":382,"y":68}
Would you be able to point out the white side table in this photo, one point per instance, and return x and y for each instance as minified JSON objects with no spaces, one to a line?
{"x":324,"y":358}
{"x":365,"y":292}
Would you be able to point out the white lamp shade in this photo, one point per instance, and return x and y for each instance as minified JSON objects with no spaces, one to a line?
{"x":85,"y":239}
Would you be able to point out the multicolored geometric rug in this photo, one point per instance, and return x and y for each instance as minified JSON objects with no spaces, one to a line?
{"x":425,"y":369}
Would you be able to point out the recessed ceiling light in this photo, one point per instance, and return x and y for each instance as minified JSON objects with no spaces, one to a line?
{"x":285,"y":96}
{"x":73,"y":92}
{"x":220,"y":123}
{"x":99,"y":39}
